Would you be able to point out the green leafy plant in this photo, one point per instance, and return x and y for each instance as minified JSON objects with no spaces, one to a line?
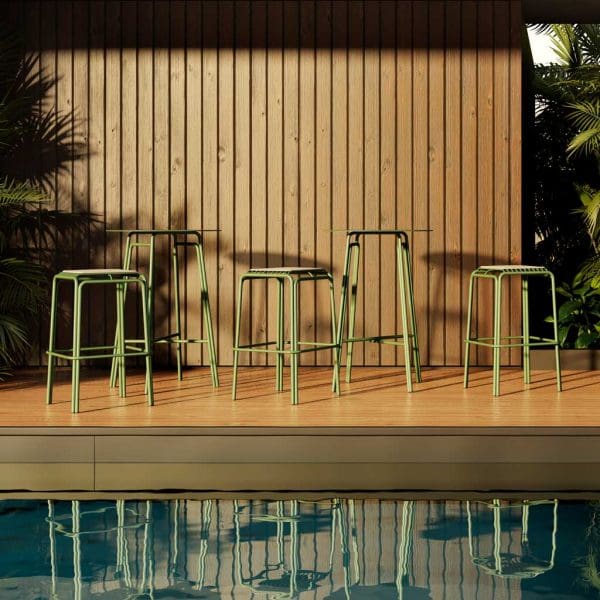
{"x":564,"y":143}
{"x":36,"y":239}
{"x":578,"y":314}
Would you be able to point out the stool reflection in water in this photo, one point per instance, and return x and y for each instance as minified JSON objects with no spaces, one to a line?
{"x":333,"y":548}
{"x":141,"y":584}
{"x":285,"y":577}
{"x":523,"y":565}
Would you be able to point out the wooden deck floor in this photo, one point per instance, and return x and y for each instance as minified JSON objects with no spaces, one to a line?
{"x":376,"y":398}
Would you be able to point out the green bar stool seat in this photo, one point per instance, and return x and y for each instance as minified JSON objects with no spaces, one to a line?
{"x":80,"y":279}
{"x":294,"y":347}
{"x":497,"y":273}
{"x":408,"y":337}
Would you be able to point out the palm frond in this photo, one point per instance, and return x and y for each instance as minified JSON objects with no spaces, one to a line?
{"x":21,"y":282}
{"x":564,"y":44}
{"x":13,"y":339}
{"x":19,"y":192}
{"x":588,"y":35}
{"x":586,"y":142}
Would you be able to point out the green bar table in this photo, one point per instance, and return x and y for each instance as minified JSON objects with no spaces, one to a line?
{"x":192,"y":238}
{"x":408,"y":337}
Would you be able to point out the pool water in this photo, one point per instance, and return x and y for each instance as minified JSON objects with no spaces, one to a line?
{"x":334,"y":548}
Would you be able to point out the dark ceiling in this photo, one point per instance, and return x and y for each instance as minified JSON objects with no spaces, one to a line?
{"x":561,"y":11}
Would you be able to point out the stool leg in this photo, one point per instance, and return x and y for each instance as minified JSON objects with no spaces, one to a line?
{"x":294,"y":339}
{"x":497,"y":324}
{"x":120,"y":289}
{"x":352,"y":312}
{"x":280,"y":340}
{"x":555,"y":327}
{"x":207,"y":315}
{"x":76,"y":347}
{"x":525,"y":309}
{"x":468,"y":335}
{"x":334,"y":339}
{"x":126,"y":265}
{"x":52,"y":342}
{"x":412,"y":311}
{"x":177,"y":309}
{"x":147,"y":341}
{"x":236,"y":340}
{"x":406,"y":340}
{"x":343,"y":304}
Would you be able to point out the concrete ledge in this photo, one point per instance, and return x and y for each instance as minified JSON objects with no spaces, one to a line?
{"x":349,"y":476}
{"x":47,"y":476}
{"x":275,"y":459}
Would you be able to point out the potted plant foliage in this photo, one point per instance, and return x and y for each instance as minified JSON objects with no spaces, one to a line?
{"x":566,"y":186}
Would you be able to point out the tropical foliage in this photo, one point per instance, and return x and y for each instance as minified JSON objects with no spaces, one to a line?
{"x":565,"y":186}
{"x":34,"y":145}
{"x":565,"y":144}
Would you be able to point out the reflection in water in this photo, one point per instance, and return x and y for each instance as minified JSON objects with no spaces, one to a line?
{"x":332,"y":548}
{"x":520,"y":563}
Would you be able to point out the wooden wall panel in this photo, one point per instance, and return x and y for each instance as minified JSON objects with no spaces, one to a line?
{"x":276,"y":122}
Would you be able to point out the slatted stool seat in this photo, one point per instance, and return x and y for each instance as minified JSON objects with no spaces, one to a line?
{"x":497,"y":273}
{"x":294,"y":347}
{"x":81,"y":278}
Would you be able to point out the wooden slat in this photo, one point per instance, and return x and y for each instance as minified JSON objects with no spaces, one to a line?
{"x":258,"y":172}
{"x":404,"y":134}
{"x":242,"y":149}
{"x":485,"y":164}
{"x":388,"y":191}
{"x":193,"y":169}
{"x":128,"y":137}
{"x":453,"y":200}
{"x":436,"y":242}
{"x":469,"y":150}
{"x":323,"y":168}
{"x":421,"y":213}
{"x":114,"y":202}
{"x":356,"y":150}
{"x":371,"y":283}
{"x":226,"y":173}
{"x":306,"y":171}
{"x":210,"y":147}
{"x":501,"y":152}
{"x":96,"y":159}
{"x":177,"y":151}
{"x":275,"y":145}
{"x":161,"y":198}
{"x":515,"y":164}
{"x":278,"y":121}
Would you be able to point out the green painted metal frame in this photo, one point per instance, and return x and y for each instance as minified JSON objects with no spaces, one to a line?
{"x":118,"y":351}
{"x":496,"y":341}
{"x":281,"y":350}
{"x":409,"y":337}
{"x":192,"y":238}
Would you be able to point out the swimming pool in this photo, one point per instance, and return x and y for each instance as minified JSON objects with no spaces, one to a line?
{"x":333,"y":548}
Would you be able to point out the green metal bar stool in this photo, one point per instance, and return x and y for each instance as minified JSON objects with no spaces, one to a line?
{"x":516,"y":560}
{"x":181,"y":238}
{"x":81,"y":278}
{"x":497,"y":273}
{"x":408,"y":337}
{"x":294,"y":276}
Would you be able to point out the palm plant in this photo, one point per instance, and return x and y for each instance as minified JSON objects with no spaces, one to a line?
{"x":565,"y":186}
{"x":21,"y":279}
{"x":35,"y":238}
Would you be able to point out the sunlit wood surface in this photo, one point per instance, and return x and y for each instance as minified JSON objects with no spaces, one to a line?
{"x":376,"y":397}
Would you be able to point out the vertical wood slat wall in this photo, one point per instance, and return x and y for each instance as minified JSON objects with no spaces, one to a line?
{"x":278,"y":121}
